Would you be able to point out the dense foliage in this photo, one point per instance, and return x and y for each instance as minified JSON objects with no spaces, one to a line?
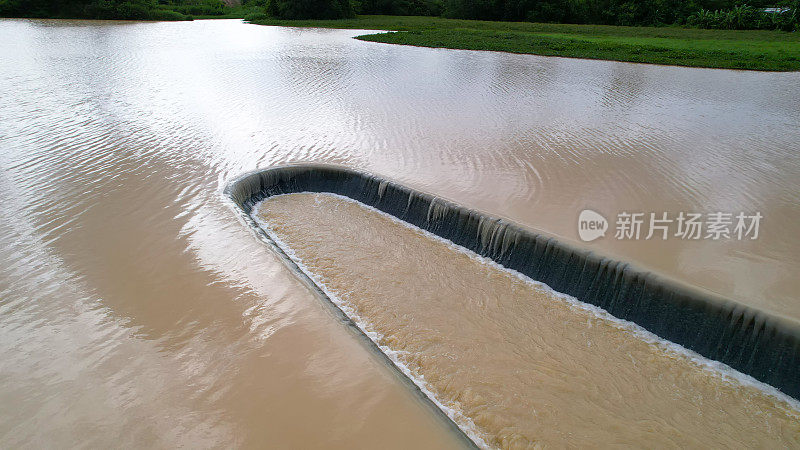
{"x":745,"y":17}
{"x":112,"y":9}
{"x":721,"y":14}
{"x":310,"y":9}
{"x":626,"y":12}
{"x":717,"y":14}
{"x":400,"y":7}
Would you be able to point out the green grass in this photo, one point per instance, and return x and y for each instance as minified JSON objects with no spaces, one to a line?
{"x":751,"y":50}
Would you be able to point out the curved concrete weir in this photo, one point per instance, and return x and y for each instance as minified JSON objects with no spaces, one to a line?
{"x":752,"y":342}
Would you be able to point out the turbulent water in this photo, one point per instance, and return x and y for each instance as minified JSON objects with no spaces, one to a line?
{"x":135,"y":309}
{"x":521,"y":364}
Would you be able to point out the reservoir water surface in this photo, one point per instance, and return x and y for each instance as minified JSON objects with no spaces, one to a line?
{"x":136,"y":309}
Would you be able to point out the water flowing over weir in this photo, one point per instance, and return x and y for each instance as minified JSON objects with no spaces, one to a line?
{"x":135,"y":308}
{"x":755,"y":343}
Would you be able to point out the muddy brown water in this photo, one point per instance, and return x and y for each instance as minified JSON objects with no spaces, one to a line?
{"x":135,"y":309}
{"x":518,"y":364}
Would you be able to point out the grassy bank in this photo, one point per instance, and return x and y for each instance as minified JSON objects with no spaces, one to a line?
{"x":752,"y":50}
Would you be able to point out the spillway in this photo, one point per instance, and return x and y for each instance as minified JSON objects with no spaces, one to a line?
{"x":751,"y":342}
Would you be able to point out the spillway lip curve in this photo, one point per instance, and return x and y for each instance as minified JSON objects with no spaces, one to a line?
{"x":469,"y":438}
{"x":754,"y":342}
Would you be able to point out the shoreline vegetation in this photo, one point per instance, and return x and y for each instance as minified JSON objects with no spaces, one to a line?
{"x":715,"y":40}
{"x":726,"y":49}
{"x":155,"y":10}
